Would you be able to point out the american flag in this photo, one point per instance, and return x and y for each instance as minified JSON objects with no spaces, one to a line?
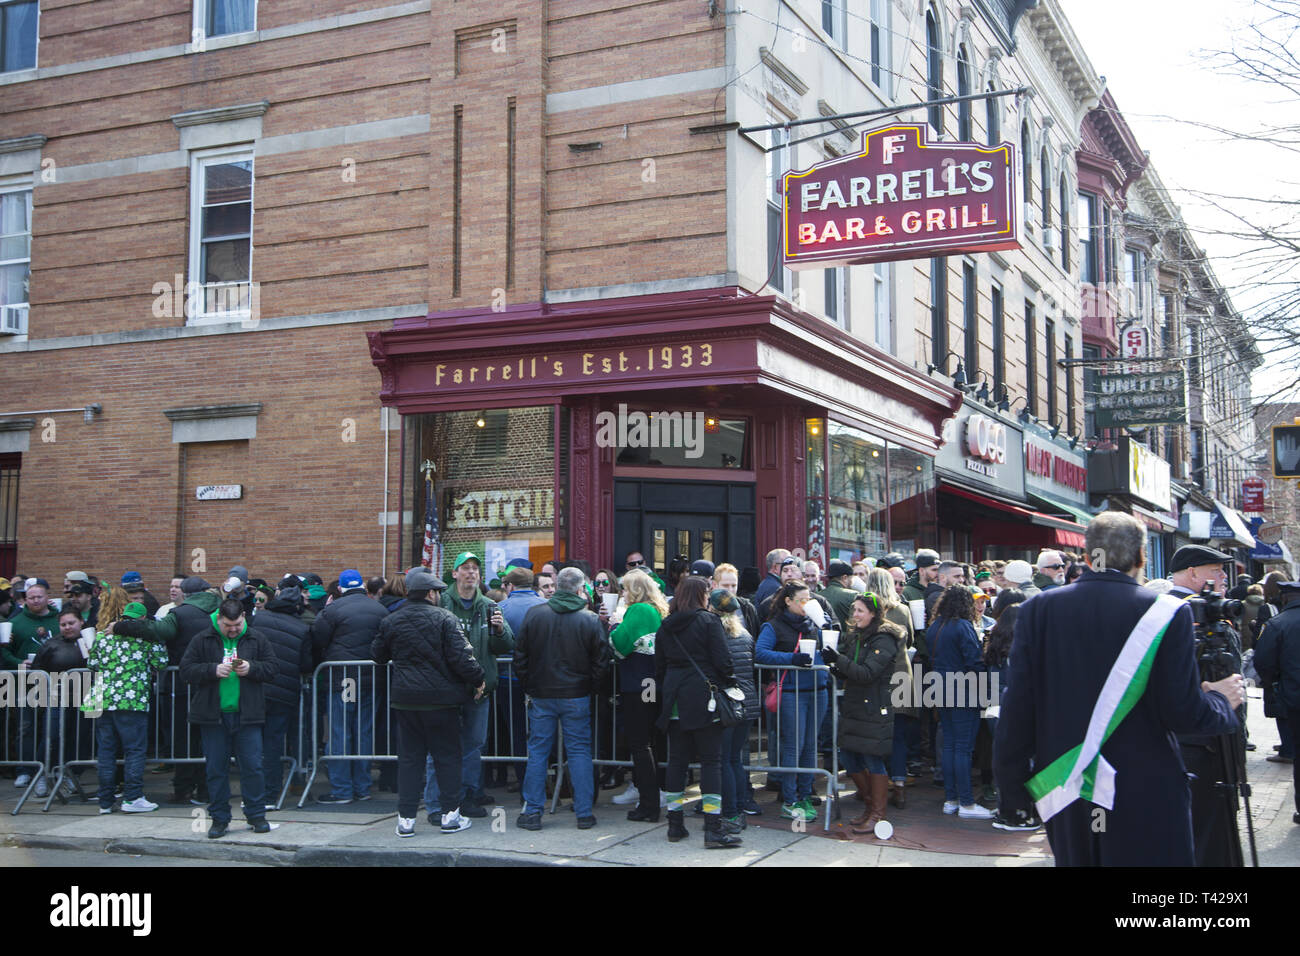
{"x":431,"y":557}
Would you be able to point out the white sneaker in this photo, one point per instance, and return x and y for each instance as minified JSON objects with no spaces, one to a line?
{"x":453,"y":822}
{"x":973,"y":812}
{"x":138,"y":805}
{"x":950,"y":807}
{"x":42,"y":788}
{"x":630,"y":795}
{"x":406,"y":826}
{"x":23,"y":780}
{"x":663,"y":799}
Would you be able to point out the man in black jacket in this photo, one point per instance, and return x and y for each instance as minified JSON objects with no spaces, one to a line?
{"x":434,"y":672}
{"x":560,"y":655}
{"x":343,"y":631}
{"x":1277,"y":657}
{"x":228,"y":667}
{"x":290,"y":637}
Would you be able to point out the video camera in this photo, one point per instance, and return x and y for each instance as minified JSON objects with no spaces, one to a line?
{"x":1218,"y":648}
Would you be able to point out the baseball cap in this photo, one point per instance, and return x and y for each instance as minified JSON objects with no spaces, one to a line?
{"x":466,"y":556}
{"x":134,"y":610}
{"x":4,"y":584}
{"x":349,"y":579}
{"x":193,"y":585}
{"x":132,"y":580}
{"x":77,"y":576}
{"x":239,"y":571}
{"x":519,"y":563}
{"x":926,"y":558}
{"x":80,"y":587}
{"x":891,"y":560}
{"x":838,"y":569}
{"x":702,"y":569}
{"x":418,"y":579}
{"x":789,"y":561}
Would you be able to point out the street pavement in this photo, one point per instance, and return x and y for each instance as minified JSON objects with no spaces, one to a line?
{"x":362,"y":833}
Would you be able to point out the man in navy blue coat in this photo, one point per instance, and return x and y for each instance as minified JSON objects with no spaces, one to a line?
{"x":1066,"y":641}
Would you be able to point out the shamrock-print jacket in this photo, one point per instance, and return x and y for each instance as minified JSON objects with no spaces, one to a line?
{"x":126,"y":666}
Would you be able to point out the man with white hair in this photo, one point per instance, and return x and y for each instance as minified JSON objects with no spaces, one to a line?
{"x":812,"y":576}
{"x":1050,"y":570}
{"x":560,"y":657}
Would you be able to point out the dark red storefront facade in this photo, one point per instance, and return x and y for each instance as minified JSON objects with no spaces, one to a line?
{"x":759,"y":373}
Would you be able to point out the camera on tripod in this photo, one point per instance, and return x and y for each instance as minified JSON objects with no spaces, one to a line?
{"x":1217,"y":651}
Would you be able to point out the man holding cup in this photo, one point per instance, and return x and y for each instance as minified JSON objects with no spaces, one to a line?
{"x":31,"y":628}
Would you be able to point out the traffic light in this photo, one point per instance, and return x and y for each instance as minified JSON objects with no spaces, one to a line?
{"x":1286,"y":451}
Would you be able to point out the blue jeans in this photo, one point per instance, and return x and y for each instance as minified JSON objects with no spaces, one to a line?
{"x":245,"y":741}
{"x":907,"y":731}
{"x":735,"y":782}
{"x":853,"y":762}
{"x":130,"y":728}
{"x":281,"y":719}
{"x":574,"y":719}
{"x":473,"y":721}
{"x":800,"y":716}
{"x":352,"y":730}
{"x":960,"y":725}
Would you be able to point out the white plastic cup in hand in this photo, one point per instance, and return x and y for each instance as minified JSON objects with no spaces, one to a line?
{"x":808,"y":646}
{"x":6,"y":631}
{"x":918,"y":614}
{"x":815,"y":613}
{"x":86,"y":641}
{"x":831,"y":639}
{"x":610,"y":601}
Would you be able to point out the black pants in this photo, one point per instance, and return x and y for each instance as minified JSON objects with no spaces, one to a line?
{"x":1214,"y":814}
{"x":639,"y":718}
{"x":421,"y":734}
{"x":706,"y":746}
{"x":1293,"y":721}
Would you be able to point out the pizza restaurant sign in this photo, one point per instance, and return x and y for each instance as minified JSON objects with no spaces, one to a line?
{"x":901,"y":197}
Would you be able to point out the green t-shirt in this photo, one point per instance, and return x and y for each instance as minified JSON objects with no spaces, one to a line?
{"x":230,"y":683}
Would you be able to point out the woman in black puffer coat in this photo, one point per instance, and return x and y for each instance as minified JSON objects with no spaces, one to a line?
{"x":691,"y":633}
{"x":864,"y":664}
{"x":737,"y":794}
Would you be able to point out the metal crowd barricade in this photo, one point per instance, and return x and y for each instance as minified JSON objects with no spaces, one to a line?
{"x":756,"y":748}
{"x":26,"y":741}
{"x":367,"y":678}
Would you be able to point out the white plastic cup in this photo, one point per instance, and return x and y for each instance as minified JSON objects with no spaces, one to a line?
{"x":884,"y":830}
{"x":831,"y":639}
{"x":610,"y":601}
{"x":918,"y":614}
{"x":815,"y":613}
{"x":6,"y":631}
{"x":808,"y":646}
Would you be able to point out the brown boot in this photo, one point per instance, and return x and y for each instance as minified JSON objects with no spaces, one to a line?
{"x":863,"y":782}
{"x":897,"y":797}
{"x":878,"y":795}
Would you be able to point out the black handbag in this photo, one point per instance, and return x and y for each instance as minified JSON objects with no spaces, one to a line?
{"x":725,"y":710}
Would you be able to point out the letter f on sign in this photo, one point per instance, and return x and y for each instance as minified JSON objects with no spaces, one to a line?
{"x":892,"y":144}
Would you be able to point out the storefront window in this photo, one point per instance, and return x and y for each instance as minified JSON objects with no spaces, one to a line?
{"x":912,"y":508}
{"x":858,"y":494}
{"x":494,"y":484}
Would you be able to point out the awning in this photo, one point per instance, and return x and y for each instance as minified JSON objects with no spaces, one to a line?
{"x":1221,"y":524}
{"x":1083,"y":517}
{"x":1065,"y":533}
{"x":1155,"y":520}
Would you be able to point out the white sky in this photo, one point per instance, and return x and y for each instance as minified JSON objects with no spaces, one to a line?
{"x":1155,"y":57}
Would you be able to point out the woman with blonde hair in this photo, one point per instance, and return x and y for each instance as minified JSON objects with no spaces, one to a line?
{"x":641,"y":610}
{"x":111,"y":608}
{"x":907,"y":727}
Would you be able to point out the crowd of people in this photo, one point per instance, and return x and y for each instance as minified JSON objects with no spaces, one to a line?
{"x":626,"y":668}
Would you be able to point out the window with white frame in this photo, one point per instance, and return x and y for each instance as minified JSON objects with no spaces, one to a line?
{"x":880,"y":302}
{"x":835,"y":21}
{"x":837,"y":296}
{"x":18,"y":34}
{"x":217,"y":18}
{"x":15,"y":259}
{"x":778,"y":163}
{"x":879,"y":41}
{"x":221,"y":234}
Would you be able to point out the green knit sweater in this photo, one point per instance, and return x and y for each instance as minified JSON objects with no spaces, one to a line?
{"x":636,"y":632}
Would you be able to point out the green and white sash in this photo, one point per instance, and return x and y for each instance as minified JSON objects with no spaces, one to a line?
{"x":1083,"y":771}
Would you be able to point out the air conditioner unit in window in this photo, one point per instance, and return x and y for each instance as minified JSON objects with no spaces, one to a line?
{"x":13,"y":319}
{"x":1049,"y":238}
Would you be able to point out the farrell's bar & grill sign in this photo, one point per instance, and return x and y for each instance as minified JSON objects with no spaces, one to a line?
{"x":901,"y":197}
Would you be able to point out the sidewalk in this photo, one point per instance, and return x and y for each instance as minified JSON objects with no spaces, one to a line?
{"x":362,"y":833}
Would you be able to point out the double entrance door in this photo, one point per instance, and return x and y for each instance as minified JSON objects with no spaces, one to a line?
{"x":691,"y":519}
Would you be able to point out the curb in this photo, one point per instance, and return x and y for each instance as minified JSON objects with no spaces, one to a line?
{"x":302,"y":856}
